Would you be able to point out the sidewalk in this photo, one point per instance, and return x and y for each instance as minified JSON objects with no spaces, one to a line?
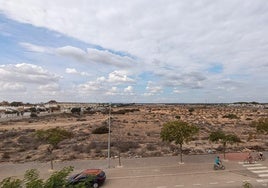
{"x":18,"y":169}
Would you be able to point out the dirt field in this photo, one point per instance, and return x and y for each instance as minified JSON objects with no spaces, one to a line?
{"x":135,"y":128}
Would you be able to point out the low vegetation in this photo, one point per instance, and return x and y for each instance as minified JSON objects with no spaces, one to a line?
{"x":101,"y":130}
{"x":32,"y":180}
{"x":231,"y":116}
{"x":261,"y":125}
{"x":135,"y":131}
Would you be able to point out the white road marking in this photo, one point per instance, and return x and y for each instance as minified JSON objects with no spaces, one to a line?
{"x":249,"y":165}
{"x":213,"y":183}
{"x":259,"y":171}
{"x":263,"y":175}
{"x":256,"y":168}
{"x":179,"y":186}
{"x":230,"y":181}
{"x":161,"y":187}
{"x":262,"y":180}
{"x":197,"y":184}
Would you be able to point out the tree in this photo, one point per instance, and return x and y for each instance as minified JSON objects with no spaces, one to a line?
{"x":223,"y":138}
{"x":179,"y":132}
{"x":53,"y":137}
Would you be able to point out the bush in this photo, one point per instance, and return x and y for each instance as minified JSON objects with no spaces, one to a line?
{"x":191,"y":110}
{"x":5,"y":155}
{"x":230,"y":116}
{"x":126,"y":146}
{"x":178,"y":117}
{"x":101,"y":130}
{"x":76,"y":110}
{"x":261,"y":125}
{"x":124,"y":111}
{"x":33,"y":115}
{"x":11,"y":183}
{"x":32,"y":180}
{"x":247,"y":185}
{"x":58,"y":178}
{"x":151,"y":147}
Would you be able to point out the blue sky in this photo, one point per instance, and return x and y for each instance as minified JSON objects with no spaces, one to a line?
{"x":139,"y":51}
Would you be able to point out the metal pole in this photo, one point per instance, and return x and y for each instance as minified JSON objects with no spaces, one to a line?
{"x":109,"y":135}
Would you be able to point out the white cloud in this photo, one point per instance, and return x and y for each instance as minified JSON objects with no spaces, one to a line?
{"x":26,"y":73}
{"x":73,"y":52}
{"x":153,"y":89}
{"x":128,"y":89}
{"x":112,"y":91}
{"x":27,"y":82}
{"x":49,"y":87}
{"x":96,"y":56}
{"x":176,"y":41}
{"x":119,"y":77}
{"x":11,"y":87}
{"x":35,"y":48}
{"x":71,"y":71}
{"x":90,"y":55}
{"x":177,"y":91}
{"x":74,"y":71}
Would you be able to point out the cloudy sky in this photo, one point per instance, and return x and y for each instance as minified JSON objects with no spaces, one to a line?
{"x":166,"y":51}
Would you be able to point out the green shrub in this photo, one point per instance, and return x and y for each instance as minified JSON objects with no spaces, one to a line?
{"x":58,"y":178}
{"x":247,"y":185}
{"x":11,"y":183}
{"x":32,"y":180}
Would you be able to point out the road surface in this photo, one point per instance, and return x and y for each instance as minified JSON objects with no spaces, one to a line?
{"x":159,"y":172}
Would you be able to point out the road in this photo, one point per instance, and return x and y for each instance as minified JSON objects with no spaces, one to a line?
{"x":160,"y":172}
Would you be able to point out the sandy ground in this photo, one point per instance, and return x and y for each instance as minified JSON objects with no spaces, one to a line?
{"x":138,"y":131}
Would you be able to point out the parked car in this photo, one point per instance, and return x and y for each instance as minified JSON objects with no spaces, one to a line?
{"x":91,"y":177}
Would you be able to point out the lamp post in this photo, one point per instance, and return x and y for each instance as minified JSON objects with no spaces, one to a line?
{"x":109,"y":136}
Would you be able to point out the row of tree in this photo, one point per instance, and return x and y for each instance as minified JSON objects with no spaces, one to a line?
{"x":181,"y":132}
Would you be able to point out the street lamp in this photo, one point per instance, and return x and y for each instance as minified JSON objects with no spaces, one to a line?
{"x":109,"y":135}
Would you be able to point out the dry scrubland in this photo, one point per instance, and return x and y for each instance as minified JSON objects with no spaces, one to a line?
{"x":135,"y":129}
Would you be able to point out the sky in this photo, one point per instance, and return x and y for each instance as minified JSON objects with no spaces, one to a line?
{"x":153,"y":51}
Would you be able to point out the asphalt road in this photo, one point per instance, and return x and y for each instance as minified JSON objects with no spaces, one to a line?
{"x":159,"y":172}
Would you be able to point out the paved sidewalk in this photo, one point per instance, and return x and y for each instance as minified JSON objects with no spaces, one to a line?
{"x":18,"y":169}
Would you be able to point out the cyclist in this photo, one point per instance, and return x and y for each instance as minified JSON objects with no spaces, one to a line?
{"x":261,"y":156}
{"x":218,"y":161}
{"x":250,"y":158}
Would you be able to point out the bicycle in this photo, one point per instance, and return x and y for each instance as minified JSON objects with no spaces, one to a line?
{"x":249,"y":160}
{"x":259,"y":157}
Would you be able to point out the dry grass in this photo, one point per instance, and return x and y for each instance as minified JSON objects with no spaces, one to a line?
{"x":135,"y":132}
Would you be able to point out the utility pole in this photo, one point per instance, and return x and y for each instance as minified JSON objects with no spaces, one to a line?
{"x":109,"y":136}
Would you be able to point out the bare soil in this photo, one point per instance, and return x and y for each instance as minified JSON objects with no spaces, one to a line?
{"x":135,"y":131}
